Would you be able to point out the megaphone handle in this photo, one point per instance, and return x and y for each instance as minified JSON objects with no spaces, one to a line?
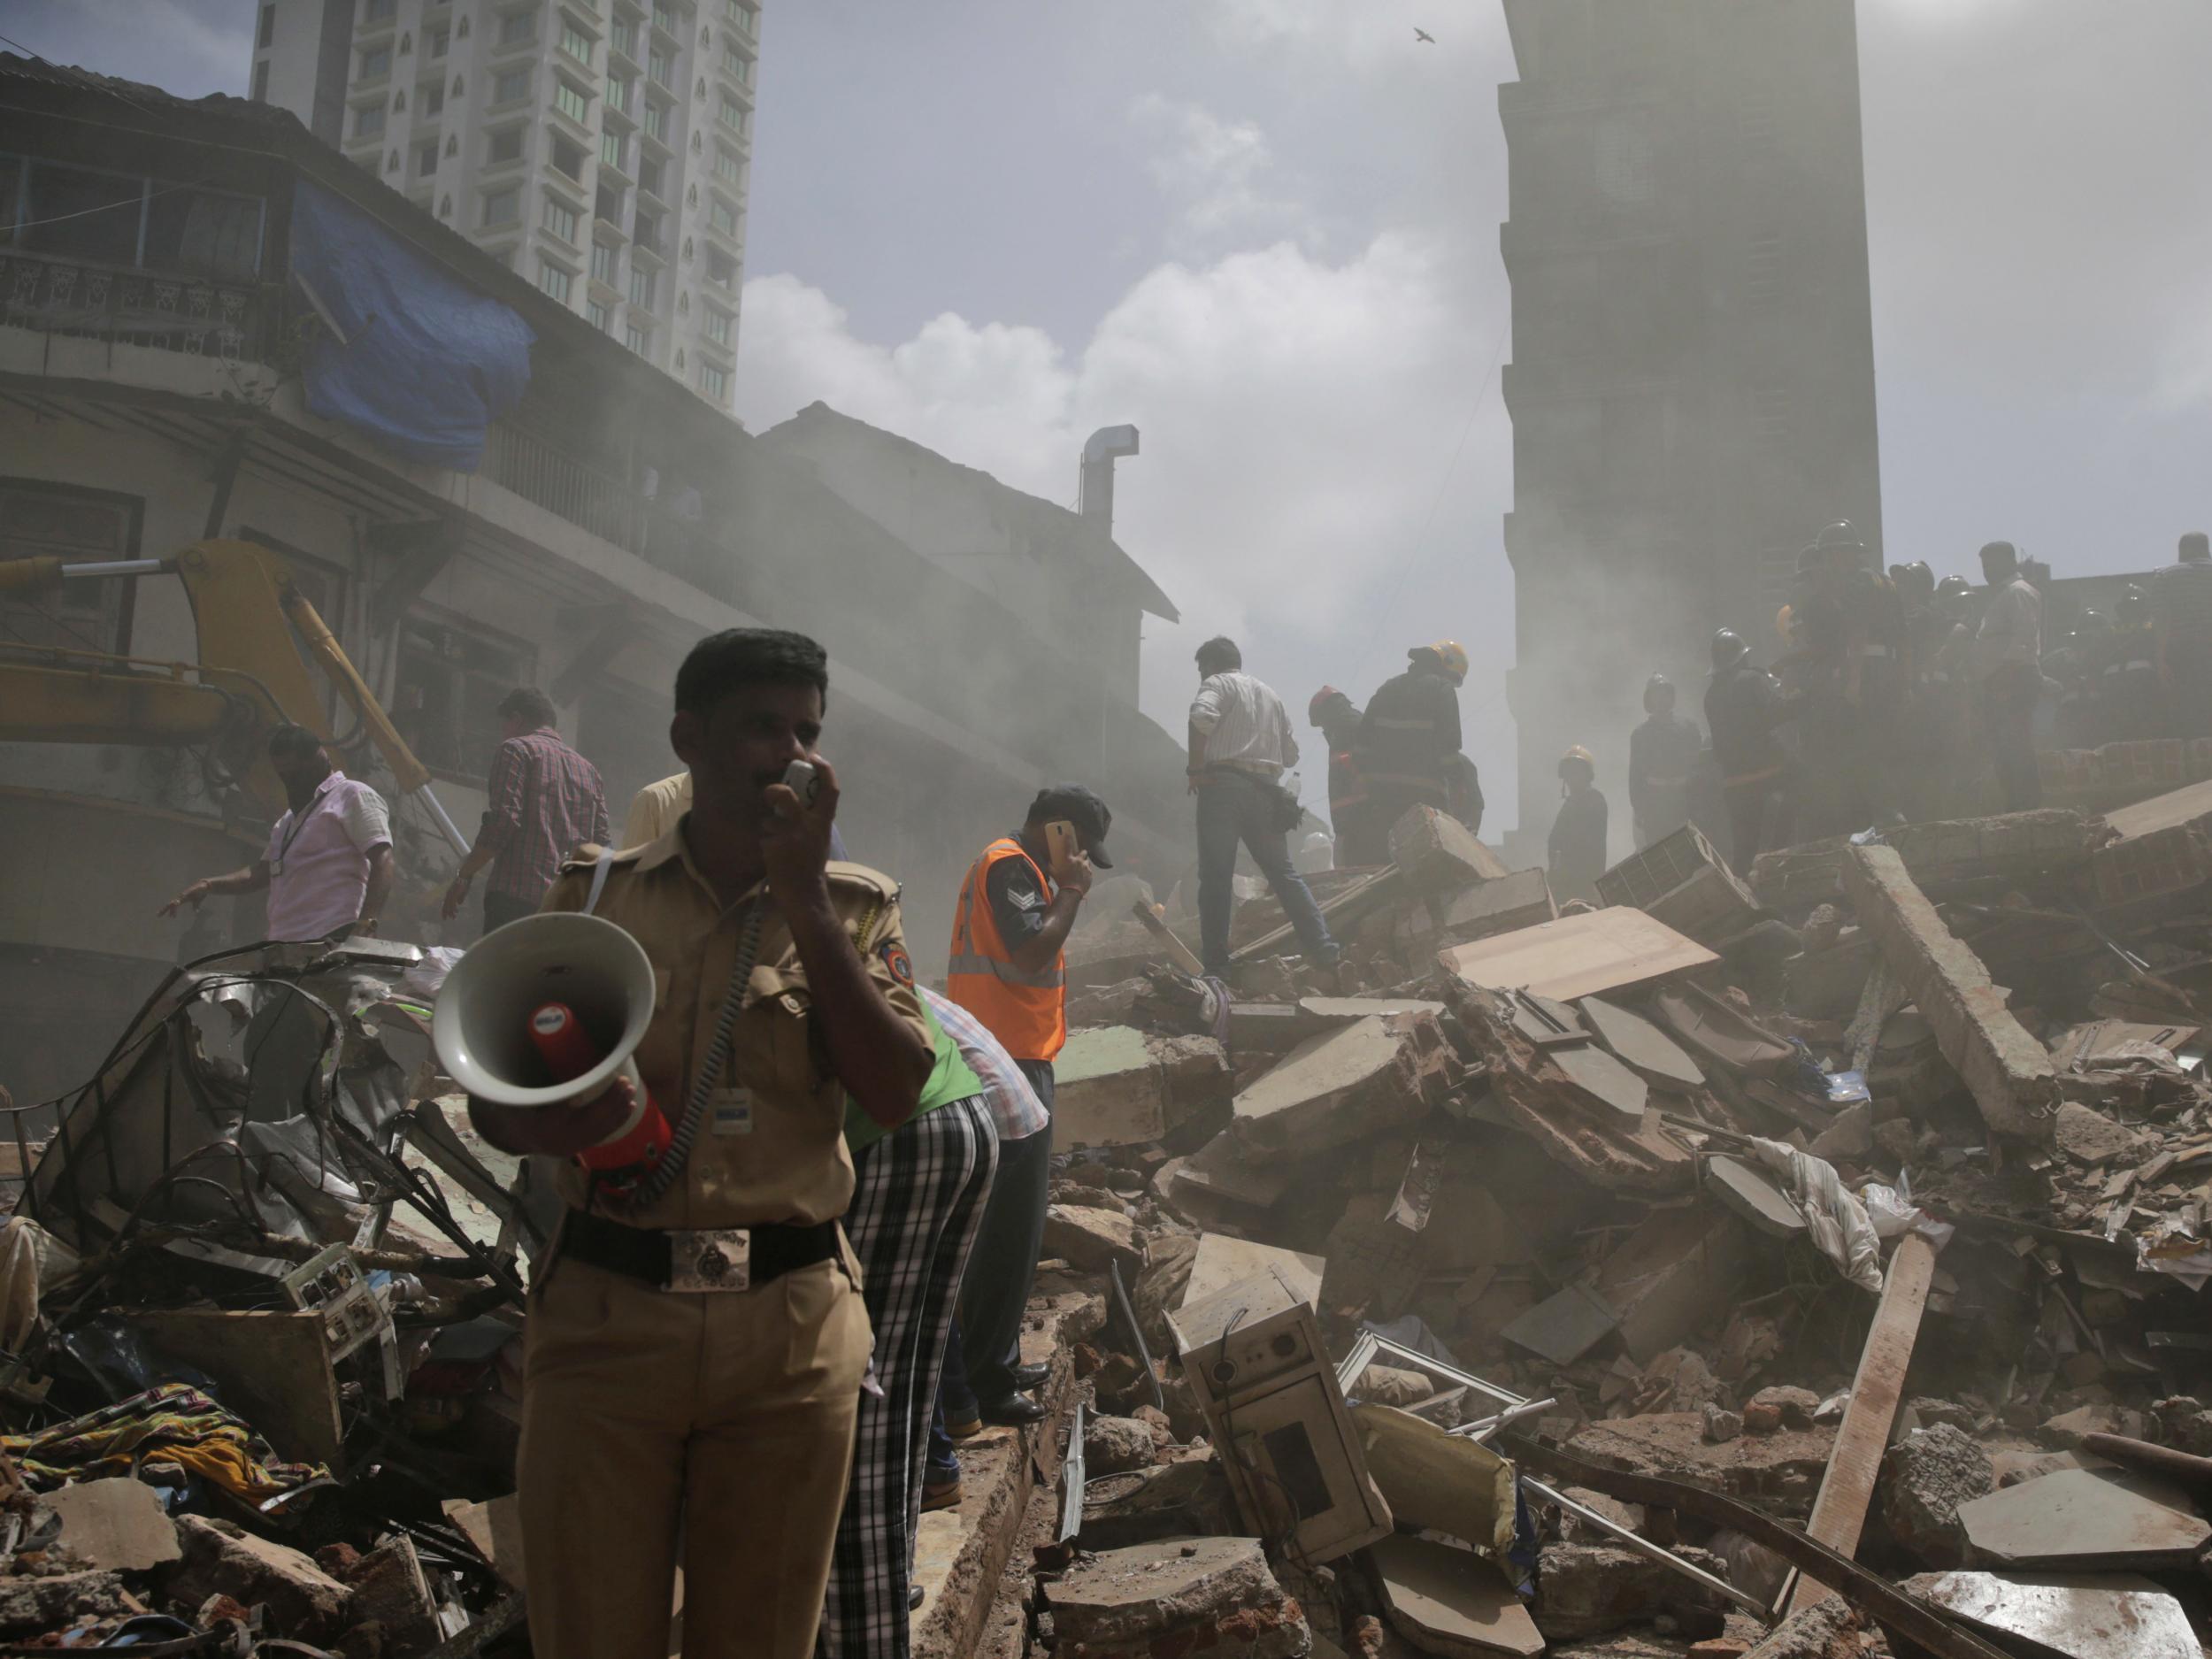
{"x":670,"y":1165}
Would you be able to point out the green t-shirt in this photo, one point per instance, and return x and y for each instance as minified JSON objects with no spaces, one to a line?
{"x":949,"y":1080}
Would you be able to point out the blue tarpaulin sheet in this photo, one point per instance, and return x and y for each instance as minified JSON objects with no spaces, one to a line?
{"x":427,"y":362}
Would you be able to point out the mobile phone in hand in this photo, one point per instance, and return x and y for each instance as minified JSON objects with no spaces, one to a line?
{"x":803,"y":781}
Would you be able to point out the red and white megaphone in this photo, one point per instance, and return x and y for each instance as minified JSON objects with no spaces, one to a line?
{"x":546,"y":1011}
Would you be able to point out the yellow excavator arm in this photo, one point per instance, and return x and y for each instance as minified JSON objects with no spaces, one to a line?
{"x":250,"y":674}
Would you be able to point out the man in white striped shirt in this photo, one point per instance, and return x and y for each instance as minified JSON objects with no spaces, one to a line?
{"x":1241,"y":744}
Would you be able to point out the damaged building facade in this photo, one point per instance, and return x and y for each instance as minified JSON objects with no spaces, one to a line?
{"x":178,"y":362}
{"x":1691,"y":379}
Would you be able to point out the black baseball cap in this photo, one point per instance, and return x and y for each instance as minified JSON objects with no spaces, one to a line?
{"x":1083,"y":808}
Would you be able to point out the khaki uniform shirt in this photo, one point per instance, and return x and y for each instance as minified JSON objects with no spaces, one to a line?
{"x":656,"y":809}
{"x":791,"y":1165}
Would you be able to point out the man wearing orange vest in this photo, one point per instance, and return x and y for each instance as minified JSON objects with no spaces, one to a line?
{"x":1017,"y":907}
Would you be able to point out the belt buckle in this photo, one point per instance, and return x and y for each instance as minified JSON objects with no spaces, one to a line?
{"x":711,"y":1258}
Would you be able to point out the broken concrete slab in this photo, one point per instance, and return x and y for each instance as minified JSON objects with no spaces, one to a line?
{"x":1682,"y":881}
{"x":2186,"y":808}
{"x":495,"y":1530}
{"x":2084,"y":1520}
{"x":1603,"y":1082}
{"x":1265,"y":1028}
{"x":1565,"y":1325}
{"x":2092,"y":1139}
{"x":1520,"y":900}
{"x":1781,"y":1470}
{"x":1222,"y":1260}
{"x":1925,"y":1478}
{"x":1119,"y":1086}
{"x":118,"y":1523}
{"x":1220,"y":1171}
{"x":1436,"y":853}
{"x":1175,"y":1501}
{"x":1587,"y":953}
{"x":1721,"y":1034}
{"x":1586,"y":1589}
{"x":1377,"y":1074}
{"x":2010,"y":846}
{"x":1641,"y":1046}
{"x":1092,"y":1239}
{"x":1176,"y":1596}
{"x":1448,"y":1601}
{"x":1752,"y":1195}
{"x":2006,"y":1071}
{"x":1327,"y":1013}
{"x":220,"y":1558}
{"x":1679,"y":1273}
{"x":1826,"y":1629}
{"x":2106,"y":1615}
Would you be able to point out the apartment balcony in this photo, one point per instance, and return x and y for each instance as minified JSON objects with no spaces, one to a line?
{"x":564,"y":485}
{"x":123,"y":306}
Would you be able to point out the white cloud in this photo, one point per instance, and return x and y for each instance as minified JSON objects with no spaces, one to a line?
{"x":1298,"y":417}
{"x":1210,"y":171}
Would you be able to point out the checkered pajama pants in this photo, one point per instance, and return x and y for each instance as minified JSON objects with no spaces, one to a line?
{"x":914,"y":1215}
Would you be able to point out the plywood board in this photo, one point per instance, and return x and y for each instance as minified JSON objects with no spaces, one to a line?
{"x":1447,"y":1600}
{"x":1581,"y":955}
{"x":2162,"y":812}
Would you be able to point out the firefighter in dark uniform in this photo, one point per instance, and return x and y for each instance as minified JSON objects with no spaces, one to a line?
{"x":1743,"y":706}
{"x":1577,"y":844}
{"x":1409,"y":738}
{"x":1337,"y":717}
{"x":697,"y":1342}
{"x":2129,"y":703}
{"x":1663,"y":753}
{"x":1851,"y":629}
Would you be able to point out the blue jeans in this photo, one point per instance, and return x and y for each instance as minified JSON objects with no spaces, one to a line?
{"x":1237,"y":808}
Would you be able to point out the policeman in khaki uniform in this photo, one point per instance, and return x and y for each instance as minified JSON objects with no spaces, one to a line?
{"x":721,"y":1417}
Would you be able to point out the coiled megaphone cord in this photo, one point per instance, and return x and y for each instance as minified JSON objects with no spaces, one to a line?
{"x":664,"y":1173}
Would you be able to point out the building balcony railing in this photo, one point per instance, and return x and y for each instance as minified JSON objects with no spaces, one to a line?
{"x":538,"y":471}
{"x":124,"y":307}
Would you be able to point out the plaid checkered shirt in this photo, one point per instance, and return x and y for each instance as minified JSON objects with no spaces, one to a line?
{"x":1015,"y":1109}
{"x":545,"y":803}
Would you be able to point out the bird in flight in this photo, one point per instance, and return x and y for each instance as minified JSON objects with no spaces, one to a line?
{"x":1424,"y":37}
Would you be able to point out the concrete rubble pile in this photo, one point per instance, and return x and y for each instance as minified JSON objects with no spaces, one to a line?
{"x":1807,"y":1264}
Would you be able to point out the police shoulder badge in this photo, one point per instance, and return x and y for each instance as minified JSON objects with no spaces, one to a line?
{"x":895,"y":961}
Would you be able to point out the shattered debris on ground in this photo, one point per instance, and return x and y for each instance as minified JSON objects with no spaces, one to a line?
{"x":1805,"y":1265}
{"x":1830,"y":1222}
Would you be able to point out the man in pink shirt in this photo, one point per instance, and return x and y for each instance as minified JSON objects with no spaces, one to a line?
{"x":328,"y":870}
{"x":328,"y":866}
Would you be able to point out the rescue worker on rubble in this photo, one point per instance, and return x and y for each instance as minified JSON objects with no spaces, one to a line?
{"x":1409,"y":739}
{"x":1662,"y":754}
{"x":328,"y":870}
{"x":1743,"y":706}
{"x":693,"y":1357}
{"x":2128,"y":699}
{"x":2073,"y":668}
{"x":1577,"y":846}
{"x":1008,"y":966}
{"x":2009,"y":674}
{"x":1851,"y":628}
{"x":1337,"y":717}
{"x":1944,"y":716}
{"x":2181,"y":607}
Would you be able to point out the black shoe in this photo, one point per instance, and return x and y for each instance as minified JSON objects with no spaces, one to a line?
{"x":913,"y":1598}
{"x":1013,"y":1410}
{"x":1029,"y":1378}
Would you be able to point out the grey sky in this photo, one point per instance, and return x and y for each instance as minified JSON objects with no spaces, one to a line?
{"x":1266,"y":231}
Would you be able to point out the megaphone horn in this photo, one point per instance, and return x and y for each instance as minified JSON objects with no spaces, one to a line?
{"x":547,"y":1012}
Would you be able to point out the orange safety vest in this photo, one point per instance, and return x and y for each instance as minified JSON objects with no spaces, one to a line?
{"x":1027,"y":1012}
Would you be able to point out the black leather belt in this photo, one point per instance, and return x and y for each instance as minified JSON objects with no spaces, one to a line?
{"x":723,"y":1258}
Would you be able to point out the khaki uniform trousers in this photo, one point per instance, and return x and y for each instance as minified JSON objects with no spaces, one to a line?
{"x":727,"y":1415}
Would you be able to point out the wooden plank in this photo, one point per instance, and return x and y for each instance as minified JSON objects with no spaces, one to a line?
{"x":1347,"y":906}
{"x":1577,"y":956}
{"x":1178,"y":952}
{"x":1839,"y":1509}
